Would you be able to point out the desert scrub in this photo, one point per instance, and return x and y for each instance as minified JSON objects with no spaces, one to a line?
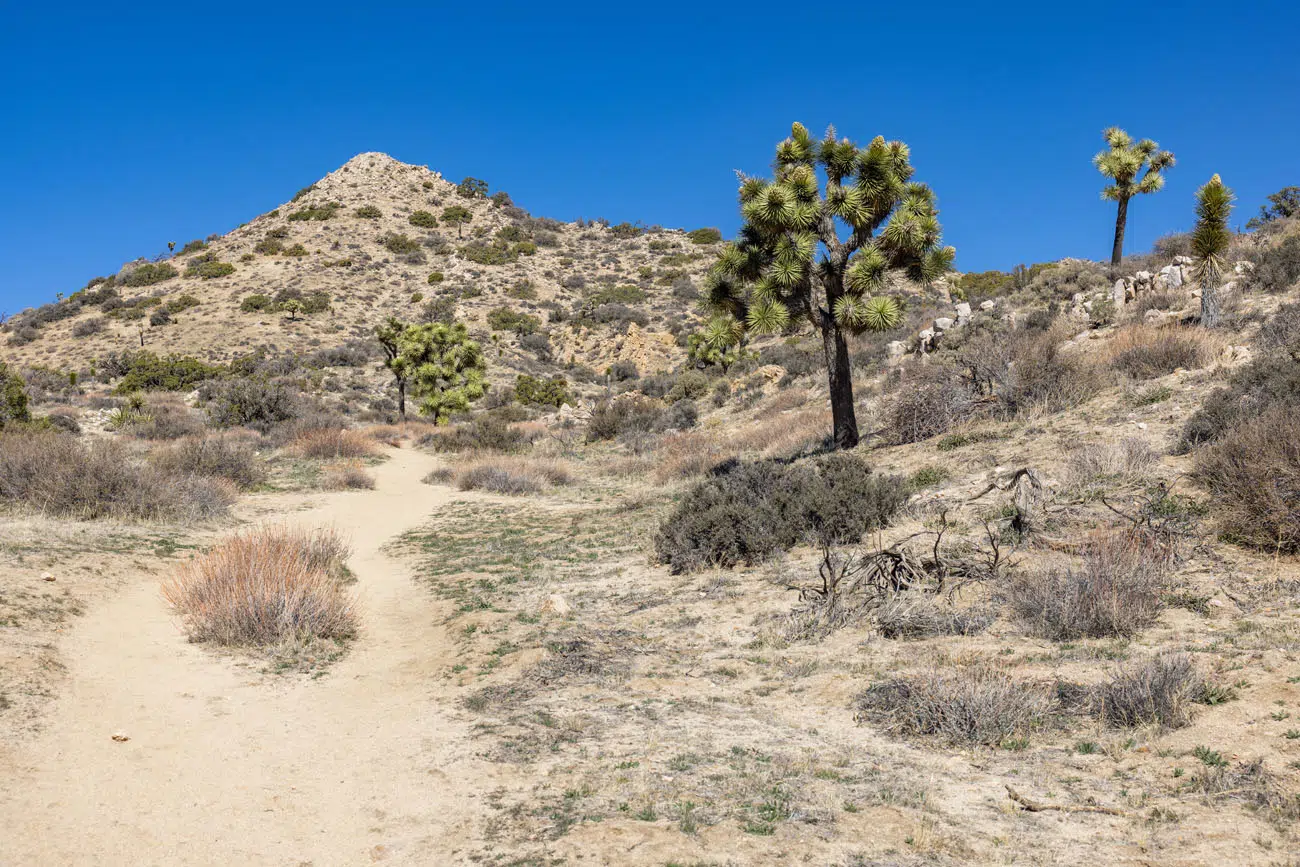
{"x":229,"y":456}
{"x":511,"y":475}
{"x":1159,"y":690}
{"x":264,"y":587}
{"x":149,"y":273}
{"x":333,"y":443}
{"x":347,"y":476}
{"x":61,"y":476}
{"x":753,"y":511}
{"x":975,"y":705}
{"x":1143,"y":352}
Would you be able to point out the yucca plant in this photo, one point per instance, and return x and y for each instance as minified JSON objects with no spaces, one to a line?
{"x":1122,"y":162}
{"x":721,"y":342}
{"x":789,"y":260}
{"x":1210,"y":241}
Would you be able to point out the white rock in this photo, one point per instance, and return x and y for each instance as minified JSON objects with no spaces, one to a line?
{"x":1142,"y":425}
{"x":1118,"y":292}
{"x":895,"y":350}
{"x":926,"y":334}
{"x":987,"y":305}
{"x":963,"y":313}
{"x":1183,"y":260}
{"x":1142,"y":277}
{"x":943,"y":323}
{"x":1171,"y":276}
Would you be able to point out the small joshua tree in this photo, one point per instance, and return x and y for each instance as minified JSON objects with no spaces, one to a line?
{"x":444,"y":369}
{"x":721,"y":342}
{"x":456,"y":215}
{"x":1122,"y":162}
{"x":791,"y":261}
{"x":293,"y":307}
{"x":1210,"y":241}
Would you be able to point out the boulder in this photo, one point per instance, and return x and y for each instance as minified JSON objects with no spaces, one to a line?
{"x":1183,"y":260}
{"x":986,"y":306}
{"x":1142,"y":278}
{"x":894,"y":351}
{"x":963,"y":313}
{"x":1119,"y":292}
{"x":943,"y":323}
{"x":1170,"y":277}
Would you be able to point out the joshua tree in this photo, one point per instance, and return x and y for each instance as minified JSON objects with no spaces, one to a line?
{"x":790,"y":261}
{"x":1210,"y":241}
{"x":1122,"y":162}
{"x":456,"y":215}
{"x":721,"y":342}
{"x":293,"y":307}
{"x":444,"y":368}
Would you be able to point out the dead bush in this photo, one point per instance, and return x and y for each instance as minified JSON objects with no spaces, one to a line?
{"x":348,"y":476}
{"x":1250,"y":783}
{"x":1096,"y":463}
{"x":1042,"y":380}
{"x":1253,"y":477}
{"x":264,"y":587}
{"x":927,"y":404}
{"x":60,"y":475}
{"x":1155,"y":691}
{"x":1144,"y":352}
{"x":333,"y":443}
{"x":976,"y":705}
{"x":225,"y":457}
{"x":1115,"y":591}
{"x":166,"y":420}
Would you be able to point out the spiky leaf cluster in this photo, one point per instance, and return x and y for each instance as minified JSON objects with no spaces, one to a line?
{"x":1211,"y":237}
{"x":718,"y":343}
{"x":446,"y":369}
{"x":1123,"y":161}
{"x":869,"y":221}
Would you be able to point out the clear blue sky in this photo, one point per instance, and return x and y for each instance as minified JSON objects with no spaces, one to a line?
{"x":126,"y":128}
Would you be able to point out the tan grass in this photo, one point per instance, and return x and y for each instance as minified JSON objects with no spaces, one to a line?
{"x":347,"y":476}
{"x":263,"y":587}
{"x":333,"y":443}
{"x":508,"y":474}
{"x":1146,"y":352}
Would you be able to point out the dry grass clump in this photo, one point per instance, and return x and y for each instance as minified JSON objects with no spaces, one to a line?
{"x":166,"y":419}
{"x":1145,"y":352}
{"x":333,"y":443}
{"x":922,"y":615}
{"x":1127,"y":460}
{"x":965,"y":705}
{"x":511,"y":475}
{"x":1253,"y":476}
{"x":347,"y":476}
{"x":60,"y":475}
{"x":227,"y":456}
{"x":1114,"y":592}
{"x":264,"y":587}
{"x":1156,"y":691}
{"x":1249,"y":782}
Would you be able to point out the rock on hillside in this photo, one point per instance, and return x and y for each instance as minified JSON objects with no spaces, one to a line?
{"x":374,"y":239}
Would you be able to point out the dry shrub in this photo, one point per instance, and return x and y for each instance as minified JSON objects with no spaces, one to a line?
{"x":333,"y":443}
{"x":1253,"y":476}
{"x":693,"y":453}
{"x":511,"y":475}
{"x":1155,"y":691}
{"x":1144,"y":352}
{"x":785,"y":434}
{"x":167,"y":420}
{"x":347,"y":476}
{"x":1253,"y":784}
{"x":1042,"y":380}
{"x":1127,"y":460}
{"x":1114,"y":592}
{"x":440,"y":476}
{"x":485,"y":433}
{"x":60,"y":475}
{"x":928,"y":404}
{"x":227,"y":456}
{"x":922,"y":615}
{"x":264,"y":587}
{"x":969,"y":705}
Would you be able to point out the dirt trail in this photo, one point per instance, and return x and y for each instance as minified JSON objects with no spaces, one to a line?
{"x":226,"y":765}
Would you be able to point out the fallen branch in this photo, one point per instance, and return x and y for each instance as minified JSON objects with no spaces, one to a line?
{"x":1036,"y":807}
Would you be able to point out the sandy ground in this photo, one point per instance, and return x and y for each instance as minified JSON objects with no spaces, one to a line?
{"x":227,"y":765}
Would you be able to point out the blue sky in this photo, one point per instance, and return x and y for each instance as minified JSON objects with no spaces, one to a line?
{"x":128,"y":128}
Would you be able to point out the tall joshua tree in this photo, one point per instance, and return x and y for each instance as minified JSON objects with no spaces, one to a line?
{"x":1122,"y":162}
{"x":829,"y":256}
{"x":1210,"y":241}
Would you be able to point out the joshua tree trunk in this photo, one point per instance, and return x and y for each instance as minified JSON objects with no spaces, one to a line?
{"x":840,"y":380}
{"x":1121,"y":221}
{"x":401,"y":398}
{"x":1211,"y":309}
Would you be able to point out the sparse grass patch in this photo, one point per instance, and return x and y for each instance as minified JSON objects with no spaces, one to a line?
{"x":511,"y":475}
{"x":347,"y":476}
{"x":1144,"y":352}
{"x":330,"y":443}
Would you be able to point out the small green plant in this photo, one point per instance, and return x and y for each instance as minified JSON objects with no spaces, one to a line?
{"x":423,"y":220}
{"x":399,"y":244}
{"x":507,"y":319}
{"x":316,"y":213}
{"x":704,"y":236}
{"x":296,"y":250}
{"x":1210,"y":758}
{"x":1087,"y":748}
{"x":368,"y":212}
{"x":255,"y":303}
{"x":542,"y":392}
{"x":436,"y":277}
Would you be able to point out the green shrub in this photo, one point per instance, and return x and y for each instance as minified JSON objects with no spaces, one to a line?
{"x":150,"y":273}
{"x":304,"y":191}
{"x":423,"y":220}
{"x":625,"y":294}
{"x":254,"y":402}
{"x":368,"y":212}
{"x":523,"y":290}
{"x":13,"y":397}
{"x":472,"y":188}
{"x":399,"y":244}
{"x":255,"y":303}
{"x":703,"y":236}
{"x":545,"y":392}
{"x":148,"y":372}
{"x":512,"y":233}
{"x":295,"y":250}
{"x":524,"y":248}
{"x":436,"y":277}
{"x":268,"y":246}
{"x":193,"y":247}
{"x":496,"y":253}
{"x":506,"y":319}
{"x":626,"y":230}
{"x":316,"y":213}
{"x":182,"y":303}
{"x":209,"y":270}
{"x":752,"y":511}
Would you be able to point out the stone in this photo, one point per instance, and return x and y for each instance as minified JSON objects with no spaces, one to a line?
{"x":1119,"y":292}
{"x":46,"y":576}
{"x":895,"y":350}
{"x":943,"y":323}
{"x":963,"y":313}
{"x":986,"y":306}
{"x":1154,"y":317}
{"x":1170,"y":277}
{"x":1142,"y":278}
{"x":1184,"y":260}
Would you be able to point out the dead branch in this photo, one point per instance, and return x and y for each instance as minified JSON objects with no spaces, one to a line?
{"x":1037,"y":807}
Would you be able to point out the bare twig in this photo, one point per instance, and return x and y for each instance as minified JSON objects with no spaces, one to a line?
{"x":1038,"y":807}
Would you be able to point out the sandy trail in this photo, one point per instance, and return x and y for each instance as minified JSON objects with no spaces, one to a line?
{"x":228,"y":766}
